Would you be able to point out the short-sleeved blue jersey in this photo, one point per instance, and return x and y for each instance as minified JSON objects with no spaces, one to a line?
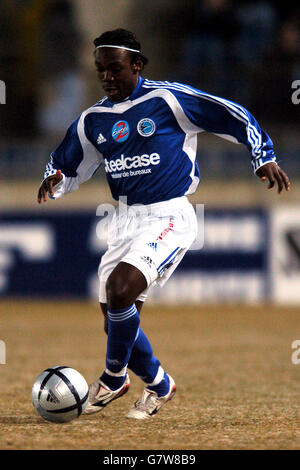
{"x":148,"y":142}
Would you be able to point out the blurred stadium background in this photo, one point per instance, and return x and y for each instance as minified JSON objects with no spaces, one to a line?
{"x":242,"y":50}
{"x":231,"y":351}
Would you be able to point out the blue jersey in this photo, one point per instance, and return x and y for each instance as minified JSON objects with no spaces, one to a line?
{"x":147,"y":143}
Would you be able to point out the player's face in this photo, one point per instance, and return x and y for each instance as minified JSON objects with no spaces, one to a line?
{"x":117,"y":74}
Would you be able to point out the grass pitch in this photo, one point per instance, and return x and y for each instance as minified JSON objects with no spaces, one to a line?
{"x":237,"y":387}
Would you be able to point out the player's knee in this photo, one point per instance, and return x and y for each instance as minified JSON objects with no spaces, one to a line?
{"x":118,"y":292}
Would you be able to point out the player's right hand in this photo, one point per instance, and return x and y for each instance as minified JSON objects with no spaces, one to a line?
{"x":47,"y":186}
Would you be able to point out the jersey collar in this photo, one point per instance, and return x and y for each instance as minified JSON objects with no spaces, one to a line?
{"x":137,"y":89}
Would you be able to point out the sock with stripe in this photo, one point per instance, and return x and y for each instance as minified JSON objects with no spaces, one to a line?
{"x":144,"y":364}
{"x":142,"y":360}
{"x":161,"y":384}
{"x":123,"y":325}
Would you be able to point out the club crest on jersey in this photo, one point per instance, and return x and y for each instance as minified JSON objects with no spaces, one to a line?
{"x":120,"y":131}
{"x":146,"y":127}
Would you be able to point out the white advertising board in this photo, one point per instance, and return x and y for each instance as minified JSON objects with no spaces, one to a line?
{"x":285,"y":255}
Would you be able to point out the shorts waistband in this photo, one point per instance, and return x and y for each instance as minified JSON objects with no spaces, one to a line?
{"x":178,"y":201}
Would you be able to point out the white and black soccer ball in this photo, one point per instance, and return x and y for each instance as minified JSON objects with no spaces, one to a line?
{"x":60,"y":394}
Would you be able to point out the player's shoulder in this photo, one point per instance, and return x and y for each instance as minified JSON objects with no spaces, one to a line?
{"x":95,"y":109}
{"x":176,"y":88}
{"x":104,"y":101}
{"x":99,"y":106}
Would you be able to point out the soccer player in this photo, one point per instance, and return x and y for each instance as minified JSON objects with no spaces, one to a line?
{"x":145,"y":134}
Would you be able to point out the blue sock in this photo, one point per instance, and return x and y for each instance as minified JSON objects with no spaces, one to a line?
{"x":142,"y":361}
{"x":123,"y":326}
{"x":162,"y":387}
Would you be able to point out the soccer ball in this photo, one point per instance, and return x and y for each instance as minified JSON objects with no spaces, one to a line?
{"x":60,"y":394}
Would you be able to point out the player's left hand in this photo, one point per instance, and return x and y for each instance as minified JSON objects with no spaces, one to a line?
{"x":273,"y":173}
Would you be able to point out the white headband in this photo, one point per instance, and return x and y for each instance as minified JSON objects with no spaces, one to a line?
{"x":119,"y":47}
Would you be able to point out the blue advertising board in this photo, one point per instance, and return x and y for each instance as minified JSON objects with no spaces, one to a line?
{"x":56,"y":255}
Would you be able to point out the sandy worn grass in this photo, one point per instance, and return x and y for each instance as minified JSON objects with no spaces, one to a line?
{"x":236,"y":385}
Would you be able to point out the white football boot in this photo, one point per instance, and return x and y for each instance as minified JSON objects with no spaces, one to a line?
{"x":101,"y":395}
{"x":150,"y":402}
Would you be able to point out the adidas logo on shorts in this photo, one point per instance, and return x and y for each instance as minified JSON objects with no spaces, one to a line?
{"x":147,"y":260}
{"x":153,"y":245}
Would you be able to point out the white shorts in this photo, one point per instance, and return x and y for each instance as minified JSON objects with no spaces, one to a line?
{"x":153,"y":238}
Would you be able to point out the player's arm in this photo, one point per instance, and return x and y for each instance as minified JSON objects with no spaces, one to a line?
{"x":233,"y":122}
{"x":72,"y":163}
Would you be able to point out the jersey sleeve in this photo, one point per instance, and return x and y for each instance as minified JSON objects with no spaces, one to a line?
{"x":228,"y":120}
{"x":76,"y":157}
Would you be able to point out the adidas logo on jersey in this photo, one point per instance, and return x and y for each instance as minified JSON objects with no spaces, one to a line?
{"x":101,"y":139}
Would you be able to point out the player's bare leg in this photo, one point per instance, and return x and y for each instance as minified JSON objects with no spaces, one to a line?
{"x":124,"y":286}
